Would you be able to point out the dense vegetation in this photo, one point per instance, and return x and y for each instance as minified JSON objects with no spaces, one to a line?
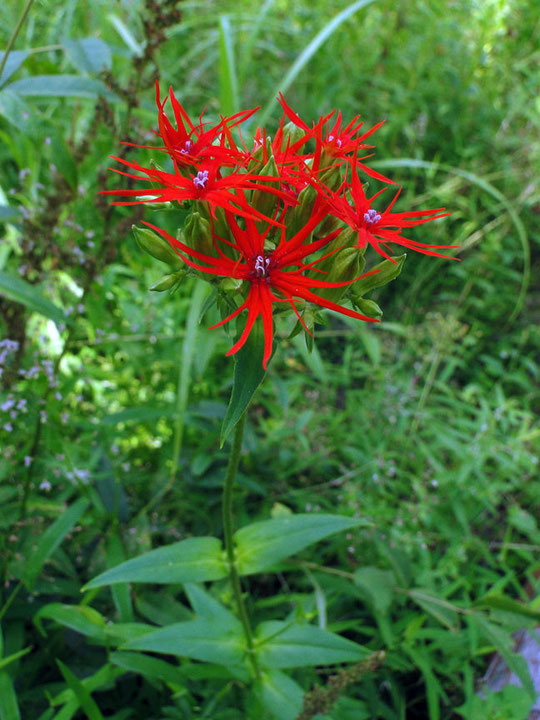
{"x":423,"y":428}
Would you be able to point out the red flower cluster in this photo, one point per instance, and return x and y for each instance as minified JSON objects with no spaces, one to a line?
{"x":272,"y":206}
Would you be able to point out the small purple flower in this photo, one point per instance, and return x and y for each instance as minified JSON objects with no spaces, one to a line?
{"x":45,"y":485}
{"x":27,"y":460}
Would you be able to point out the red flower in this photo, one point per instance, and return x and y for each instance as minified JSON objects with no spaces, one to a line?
{"x":273,"y":277}
{"x":204,"y":185}
{"x":379,"y":227}
{"x":190,"y":144}
{"x":337,"y":142}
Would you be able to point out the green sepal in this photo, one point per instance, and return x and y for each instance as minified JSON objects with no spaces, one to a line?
{"x":153,"y":244}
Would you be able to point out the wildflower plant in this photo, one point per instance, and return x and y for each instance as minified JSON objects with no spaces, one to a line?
{"x":280,"y":227}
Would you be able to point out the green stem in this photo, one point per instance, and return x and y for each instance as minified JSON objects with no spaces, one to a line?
{"x":230,"y":477}
{"x":14,"y":34}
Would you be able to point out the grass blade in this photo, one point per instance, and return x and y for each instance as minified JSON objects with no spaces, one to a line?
{"x":228,"y":80}
{"x":491,"y":190}
{"x":247,"y":47}
{"x":308,"y":52}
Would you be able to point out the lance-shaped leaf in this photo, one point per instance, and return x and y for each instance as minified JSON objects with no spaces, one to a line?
{"x":248,"y":375}
{"x":192,"y":560}
{"x":262,"y":544}
{"x":280,"y":645}
{"x":208,"y":641}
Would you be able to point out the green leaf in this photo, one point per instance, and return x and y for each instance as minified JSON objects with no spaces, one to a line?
{"x":120,"y":591}
{"x":214,"y":642}
{"x":82,"y":619}
{"x":62,"y":86}
{"x":401,"y":565}
{"x":263,"y":544}
{"x":308,"y":52}
{"x":51,"y":539}
{"x":192,"y":560}
{"x":500,"y":602}
{"x":148,"y":667}
{"x":228,"y":81}
{"x":433,"y":687}
{"x":9,"y":709}
{"x":88,"y":55}
{"x":126,"y":632}
{"x":8,"y":213}
{"x":280,"y":695}
{"x":13,"y":657}
{"x":15,"y":111}
{"x":86,"y":701}
{"x":208,"y":608}
{"x":280,"y":645}
{"x":105,"y":676}
{"x":22,"y":292}
{"x":126,"y":35}
{"x":13,"y":63}
{"x":444,"y":612}
{"x":377,"y":586}
{"x":248,"y":375}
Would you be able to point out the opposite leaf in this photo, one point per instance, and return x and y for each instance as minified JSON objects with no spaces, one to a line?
{"x":191,"y":560}
{"x":262,"y":544}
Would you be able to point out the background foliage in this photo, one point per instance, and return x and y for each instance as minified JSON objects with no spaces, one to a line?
{"x":422,"y":427}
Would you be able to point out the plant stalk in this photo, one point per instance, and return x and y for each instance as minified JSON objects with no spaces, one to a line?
{"x":14,"y":34}
{"x":230,"y":477}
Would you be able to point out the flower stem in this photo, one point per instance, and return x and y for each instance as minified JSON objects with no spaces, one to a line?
{"x":230,"y":477}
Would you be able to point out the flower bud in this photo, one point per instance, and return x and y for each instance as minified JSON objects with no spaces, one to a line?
{"x":262,"y":200}
{"x":291,"y":135}
{"x":343,"y":266}
{"x":368,"y":307}
{"x":302,"y":212}
{"x":230,"y":284}
{"x":388,"y":271}
{"x":169,"y":281}
{"x":258,"y":155}
{"x":198,"y":234}
{"x":156,"y":246}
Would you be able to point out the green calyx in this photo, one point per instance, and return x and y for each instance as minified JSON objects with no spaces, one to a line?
{"x":262,"y":200}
